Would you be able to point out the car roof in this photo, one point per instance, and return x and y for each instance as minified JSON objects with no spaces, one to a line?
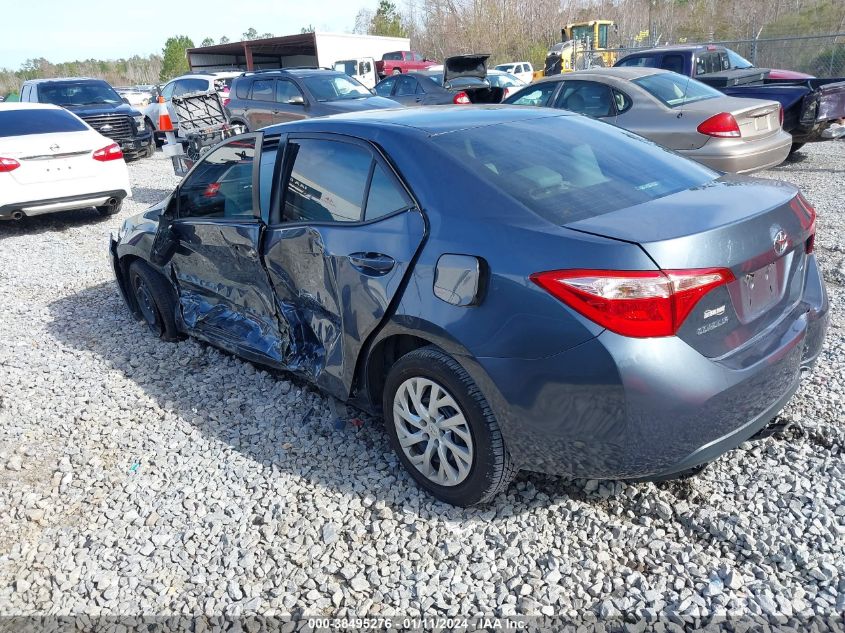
{"x":619,"y":72}
{"x":304,"y":71}
{"x":27,"y":105}
{"x":426,"y":120}
{"x":52,"y":79}
{"x":677,"y":48}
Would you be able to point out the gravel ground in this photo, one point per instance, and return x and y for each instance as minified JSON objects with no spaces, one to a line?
{"x":143,"y":477}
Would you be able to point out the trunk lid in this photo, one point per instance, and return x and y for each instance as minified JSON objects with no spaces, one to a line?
{"x":52,"y":157}
{"x":756,"y":118}
{"x":464,"y":66}
{"x":754,"y":228}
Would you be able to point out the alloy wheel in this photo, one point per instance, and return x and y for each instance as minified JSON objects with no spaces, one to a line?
{"x":432,"y":431}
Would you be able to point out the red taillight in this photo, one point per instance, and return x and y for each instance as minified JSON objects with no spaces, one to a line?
{"x":461,"y":98}
{"x":226,"y":101}
{"x":110,"y":152}
{"x":780,"y":115}
{"x":723,"y":125}
{"x":807,"y":217}
{"x":633,"y":303}
{"x":8,"y":164}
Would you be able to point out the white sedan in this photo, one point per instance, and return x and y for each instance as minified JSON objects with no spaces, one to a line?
{"x":51,"y":160}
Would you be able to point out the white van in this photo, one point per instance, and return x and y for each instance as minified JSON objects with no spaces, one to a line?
{"x":362,"y":69}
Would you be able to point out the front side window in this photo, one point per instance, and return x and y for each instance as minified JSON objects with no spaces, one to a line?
{"x":603,"y":35}
{"x":384,"y":88}
{"x":286,"y":91}
{"x":405,"y":86}
{"x":638,"y":61}
{"x":675,"y":90}
{"x":327,"y":181}
{"x":262,"y":90}
{"x":586,"y":97}
{"x":221,"y":185}
{"x":167,"y":91}
{"x":536,"y":95}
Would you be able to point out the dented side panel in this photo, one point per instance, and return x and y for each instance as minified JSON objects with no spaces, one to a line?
{"x":224,"y":291}
{"x":328,"y":302}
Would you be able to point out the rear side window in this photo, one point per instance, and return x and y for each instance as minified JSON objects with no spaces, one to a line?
{"x":566,"y":169}
{"x":537,"y":95}
{"x":405,"y":86}
{"x":242,"y":89}
{"x":22,"y":122}
{"x":675,"y":63}
{"x":384,"y":88}
{"x":392,"y":56}
{"x":186,"y":86}
{"x":327,"y":181}
{"x":262,"y":90}
{"x":385,"y":195}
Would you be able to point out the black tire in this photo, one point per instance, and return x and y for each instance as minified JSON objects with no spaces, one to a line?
{"x":110,"y":209}
{"x":150,"y":151}
{"x":795,"y":147}
{"x":154,"y":299}
{"x":492,"y":468}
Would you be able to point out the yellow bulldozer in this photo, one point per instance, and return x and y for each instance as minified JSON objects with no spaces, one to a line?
{"x":583,"y":45}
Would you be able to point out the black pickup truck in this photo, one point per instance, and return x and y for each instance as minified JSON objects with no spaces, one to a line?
{"x":813,"y":108}
{"x":99,"y":105}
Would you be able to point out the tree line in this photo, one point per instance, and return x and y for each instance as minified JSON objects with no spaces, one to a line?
{"x":512,"y":30}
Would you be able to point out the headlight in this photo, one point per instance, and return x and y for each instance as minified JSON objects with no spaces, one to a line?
{"x":139,"y":122}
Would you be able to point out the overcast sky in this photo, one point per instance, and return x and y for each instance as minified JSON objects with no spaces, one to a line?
{"x":68,"y":30}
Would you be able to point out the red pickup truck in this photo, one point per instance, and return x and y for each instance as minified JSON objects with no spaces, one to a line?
{"x":401,"y":62}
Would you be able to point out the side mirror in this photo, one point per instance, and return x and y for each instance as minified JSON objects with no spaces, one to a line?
{"x":297,"y":100}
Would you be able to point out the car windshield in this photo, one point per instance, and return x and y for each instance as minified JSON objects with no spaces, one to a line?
{"x":77,"y":93}
{"x":737,"y":61}
{"x":335,"y":87}
{"x":38,"y":121}
{"x":676,"y":90}
{"x":566,"y":169}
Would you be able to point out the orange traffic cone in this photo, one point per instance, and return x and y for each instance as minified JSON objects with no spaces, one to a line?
{"x":164,"y":122}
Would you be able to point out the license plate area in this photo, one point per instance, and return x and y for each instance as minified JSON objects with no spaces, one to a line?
{"x":36,"y":171}
{"x":763,"y":288}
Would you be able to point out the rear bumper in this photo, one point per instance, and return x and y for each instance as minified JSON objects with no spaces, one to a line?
{"x":742,"y":157}
{"x":620,"y":408}
{"x":52,"y":205}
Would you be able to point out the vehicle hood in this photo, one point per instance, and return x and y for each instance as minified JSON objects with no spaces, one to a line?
{"x":465,"y":66}
{"x":358,"y":105}
{"x":103,"y":108}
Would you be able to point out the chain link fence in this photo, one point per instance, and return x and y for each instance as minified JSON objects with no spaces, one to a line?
{"x":819,"y":55}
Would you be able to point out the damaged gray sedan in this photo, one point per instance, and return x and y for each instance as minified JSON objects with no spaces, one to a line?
{"x":582,"y":303}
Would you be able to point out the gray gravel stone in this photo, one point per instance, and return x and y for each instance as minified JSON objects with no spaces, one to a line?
{"x":138,"y":476}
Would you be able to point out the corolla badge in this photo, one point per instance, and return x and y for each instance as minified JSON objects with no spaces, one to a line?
{"x":781,"y":242}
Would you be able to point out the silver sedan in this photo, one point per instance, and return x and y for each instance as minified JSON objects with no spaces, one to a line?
{"x":729,"y":134}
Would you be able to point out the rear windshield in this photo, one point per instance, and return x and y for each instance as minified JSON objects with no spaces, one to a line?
{"x":568,"y":168}
{"x":22,"y":122}
{"x":75,"y":93}
{"x":676,"y":90}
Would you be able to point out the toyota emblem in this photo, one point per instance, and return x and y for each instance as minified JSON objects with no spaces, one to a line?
{"x":781,"y":242}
